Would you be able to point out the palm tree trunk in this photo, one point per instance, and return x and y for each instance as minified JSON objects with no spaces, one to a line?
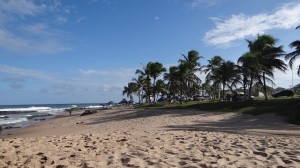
{"x":139,"y":96}
{"x":181,"y":91}
{"x":245,"y":85}
{"x":219,"y":92}
{"x":250,"y":87}
{"x":223,"y":91}
{"x":244,"y":91}
{"x":148,"y":91}
{"x":154,"y":90}
{"x":265,"y":87}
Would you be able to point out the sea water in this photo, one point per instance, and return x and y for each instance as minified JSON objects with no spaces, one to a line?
{"x":16,"y":116}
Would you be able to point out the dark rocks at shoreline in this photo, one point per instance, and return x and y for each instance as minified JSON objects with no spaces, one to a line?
{"x":9,"y":127}
{"x":4,"y":117}
{"x":41,"y":119}
{"x":39,"y":116}
{"x":88,"y":112}
{"x":16,"y":112}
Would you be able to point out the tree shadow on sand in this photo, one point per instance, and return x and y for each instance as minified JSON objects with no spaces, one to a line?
{"x":266,"y":124}
{"x":236,"y":123}
{"x":130,"y":114}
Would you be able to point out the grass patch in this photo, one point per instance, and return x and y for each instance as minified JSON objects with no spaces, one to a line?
{"x":288,"y":107}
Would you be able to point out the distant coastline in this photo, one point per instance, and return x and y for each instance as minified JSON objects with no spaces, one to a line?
{"x":19,"y":116}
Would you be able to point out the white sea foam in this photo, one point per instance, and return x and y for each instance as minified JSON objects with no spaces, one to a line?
{"x":12,"y":121}
{"x":48,"y":110}
{"x":94,"y":107}
{"x":39,"y":109}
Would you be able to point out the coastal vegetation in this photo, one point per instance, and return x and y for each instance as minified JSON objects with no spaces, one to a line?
{"x":253,"y":72}
{"x":286,"y":107}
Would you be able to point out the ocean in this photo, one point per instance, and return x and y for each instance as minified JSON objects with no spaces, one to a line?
{"x":18,"y":116}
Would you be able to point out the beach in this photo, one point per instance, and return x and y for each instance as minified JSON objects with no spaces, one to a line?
{"x":127,"y":137}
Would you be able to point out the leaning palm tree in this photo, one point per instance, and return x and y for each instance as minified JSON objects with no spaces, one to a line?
{"x":267,"y":56}
{"x":144,"y":73}
{"x":295,"y":54}
{"x":154,"y":69}
{"x":130,"y":89}
{"x":140,"y":83}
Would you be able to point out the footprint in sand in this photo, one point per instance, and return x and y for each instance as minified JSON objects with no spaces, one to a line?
{"x":260,"y":154}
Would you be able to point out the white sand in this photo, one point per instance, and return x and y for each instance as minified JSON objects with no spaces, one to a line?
{"x":141,"y":138}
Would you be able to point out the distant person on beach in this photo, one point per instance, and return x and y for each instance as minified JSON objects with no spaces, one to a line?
{"x":70,"y":111}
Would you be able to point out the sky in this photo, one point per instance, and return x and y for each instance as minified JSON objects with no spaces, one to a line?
{"x":85,"y":51}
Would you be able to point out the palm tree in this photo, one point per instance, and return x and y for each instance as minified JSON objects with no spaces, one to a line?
{"x":147,"y":82}
{"x":228,"y":74}
{"x":140,"y":83}
{"x":295,"y":54}
{"x":172,"y":79}
{"x":213,"y":64}
{"x":192,"y":59}
{"x":160,"y":88}
{"x":183,"y":76}
{"x":193,"y":65}
{"x":267,"y":56}
{"x":154,"y":69}
{"x":249,"y":71}
{"x":130,"y":89}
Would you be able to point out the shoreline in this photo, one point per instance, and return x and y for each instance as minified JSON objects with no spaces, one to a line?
{"x":19,"y":129}
{"x":40,"y":125}
{"x":280,"y":128}
{"x":126,"y":137}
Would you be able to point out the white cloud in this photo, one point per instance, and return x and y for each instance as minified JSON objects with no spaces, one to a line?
{"x":21,"y":72}
{"x":240,"y":26}
{"x":192,"y":4}
{"x":106,"y":80}
{"x":80,"y":19}
{"x":88,"y":83}
{"x":38,"y":28}
{"x":21,"y":7}
{"x":17,"y":36}
{"x":63,"y":88}
{"x":119,"y":73}
{"x":288,"y":78}
{"x":14,"y":83}
{"x":61,"y":19}
{"x":108,"y":88}
{"x":108,"y":2}
{"x":156,"y":18}
{"x":14,"y":43}
{"x":44,"y":91}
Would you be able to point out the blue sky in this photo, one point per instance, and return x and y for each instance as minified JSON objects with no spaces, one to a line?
{"x":81,"y":51}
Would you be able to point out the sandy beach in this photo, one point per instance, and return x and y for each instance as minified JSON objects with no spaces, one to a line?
{"x":126,"y":137}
